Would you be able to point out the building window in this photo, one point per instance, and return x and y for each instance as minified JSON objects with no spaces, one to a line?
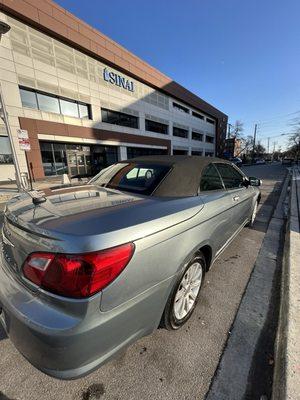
{"x":5,"y":151}
{"x":154,"y":126}
{"x":54,"y":104}
{"x":178,"y":152}
{"x":48,"y":103}
{"x":119,"y":118}
{"x":196,"y":152}
{"x":210,"y":121}
{"x":180,"y":132}
{"x":209,"y":154}
{"x":209,"y":139}
{"x":197,"y":136}
{"x":197,"y":115}
{"x":69,"y":108}
{"x":133,"y":152}
{"x":28,"y":98}
{"x":179,"y":107}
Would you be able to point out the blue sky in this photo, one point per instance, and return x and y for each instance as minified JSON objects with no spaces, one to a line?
{"x":243,"y":56}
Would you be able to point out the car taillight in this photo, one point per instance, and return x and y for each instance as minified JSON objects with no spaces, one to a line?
{"x":77,"y":275}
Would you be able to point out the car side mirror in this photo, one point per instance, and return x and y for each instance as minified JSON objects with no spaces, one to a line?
{"x":254,"y":181}
{"x":246,"y":182}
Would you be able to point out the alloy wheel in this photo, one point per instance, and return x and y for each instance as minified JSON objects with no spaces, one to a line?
{"x":187,"y":291}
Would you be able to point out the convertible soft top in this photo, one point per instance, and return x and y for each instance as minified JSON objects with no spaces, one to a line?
{"x":184,"y":178}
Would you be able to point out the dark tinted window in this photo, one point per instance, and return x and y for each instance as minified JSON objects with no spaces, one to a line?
{"x":197,"y":136}
{"x":133,"y":152}
{"x":231,"y":177}
{"x":210,"y":121}
{"x":210,"y":179}
{"x":132,"y":177}
{"x":180,"y":132}
{"x":154,"y":126}
{"x":179,"y":107}
{"x":197,"y":115}
{"x":209,"y":139}
{"x":118,"y":118}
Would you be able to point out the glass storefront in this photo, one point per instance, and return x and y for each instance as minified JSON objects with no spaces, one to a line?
{"x":75,"y":159}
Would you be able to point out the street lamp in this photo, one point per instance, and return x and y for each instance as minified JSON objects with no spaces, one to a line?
{"x":4,"y":28}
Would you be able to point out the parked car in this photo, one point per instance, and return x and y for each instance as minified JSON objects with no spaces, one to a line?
{"x":237,"y":161}
{"x":87,"y":270}
{"x":260,"y":161}
{"x":287,"y":161}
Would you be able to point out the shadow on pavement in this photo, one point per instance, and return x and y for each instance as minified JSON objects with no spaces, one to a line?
{"x":265,"y":212}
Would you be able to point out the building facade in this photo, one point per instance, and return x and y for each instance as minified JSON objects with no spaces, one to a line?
{"x":86,"y":102}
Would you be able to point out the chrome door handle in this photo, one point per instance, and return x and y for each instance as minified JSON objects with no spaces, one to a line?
{"x":236,"y":198}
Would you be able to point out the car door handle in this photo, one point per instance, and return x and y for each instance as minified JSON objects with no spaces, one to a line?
{"x":236,"y":198}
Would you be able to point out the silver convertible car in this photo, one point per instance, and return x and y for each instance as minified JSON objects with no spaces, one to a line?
{"x":86,"y":270}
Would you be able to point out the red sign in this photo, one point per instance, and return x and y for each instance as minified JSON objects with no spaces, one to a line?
{"x":24,"y":142}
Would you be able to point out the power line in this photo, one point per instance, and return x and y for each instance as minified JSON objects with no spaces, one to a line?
{"x":278,"y":116}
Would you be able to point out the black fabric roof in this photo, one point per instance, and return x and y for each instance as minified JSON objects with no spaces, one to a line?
{"x":184,"y":178}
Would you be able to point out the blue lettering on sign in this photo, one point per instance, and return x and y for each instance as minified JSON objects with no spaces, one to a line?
{"x":118,"y":80}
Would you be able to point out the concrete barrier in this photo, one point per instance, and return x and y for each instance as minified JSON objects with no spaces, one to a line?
{"x":286,"y":382}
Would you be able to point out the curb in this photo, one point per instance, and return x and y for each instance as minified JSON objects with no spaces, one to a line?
{"x":232,"y":376}
{"x":287,"y":353}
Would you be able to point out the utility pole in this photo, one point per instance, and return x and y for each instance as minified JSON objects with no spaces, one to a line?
{"x":268,"y":145}
{"x":4,"y":117}
{"x":4,"y":28}
{"x":254,"y":140}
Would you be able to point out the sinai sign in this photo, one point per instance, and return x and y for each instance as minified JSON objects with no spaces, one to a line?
{"x":118,"y":80}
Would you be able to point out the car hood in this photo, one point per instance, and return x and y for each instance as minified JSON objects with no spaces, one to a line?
{"x":79,"y":213}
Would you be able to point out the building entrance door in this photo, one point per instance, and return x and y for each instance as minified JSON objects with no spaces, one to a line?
{"x":79,"y":162}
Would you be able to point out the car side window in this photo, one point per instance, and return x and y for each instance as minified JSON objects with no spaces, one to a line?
{"x":210,"y":179}
{"x":231,"y":177}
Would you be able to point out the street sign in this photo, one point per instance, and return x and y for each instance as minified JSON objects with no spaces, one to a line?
{"x":24,"y":142}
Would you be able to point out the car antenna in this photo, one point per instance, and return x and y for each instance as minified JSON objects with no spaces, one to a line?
{"x":37,"y":196}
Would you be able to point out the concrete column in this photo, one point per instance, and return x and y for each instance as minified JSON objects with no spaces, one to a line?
{"x":122,"y":153}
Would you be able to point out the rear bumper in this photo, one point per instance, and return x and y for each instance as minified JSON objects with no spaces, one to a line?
{"x":69,"y":346}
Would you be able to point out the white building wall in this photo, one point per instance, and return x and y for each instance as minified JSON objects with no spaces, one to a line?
{"x":35,"y":60}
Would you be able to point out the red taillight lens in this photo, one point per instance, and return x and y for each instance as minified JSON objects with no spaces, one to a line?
{"x":77,"y":275}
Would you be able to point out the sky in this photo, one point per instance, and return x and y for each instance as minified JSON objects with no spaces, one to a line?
{"x":242,"y":56}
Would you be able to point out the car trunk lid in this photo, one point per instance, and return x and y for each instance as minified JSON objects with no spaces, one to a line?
{"x":85,"y":218}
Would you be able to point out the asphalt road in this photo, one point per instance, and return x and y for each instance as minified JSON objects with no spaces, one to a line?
{"x":165,"y":365}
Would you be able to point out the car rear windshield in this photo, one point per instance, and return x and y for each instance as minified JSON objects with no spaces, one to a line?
{"x":132,"y":177}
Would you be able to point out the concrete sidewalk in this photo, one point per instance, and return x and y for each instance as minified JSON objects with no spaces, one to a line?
{"x":287,"y":364}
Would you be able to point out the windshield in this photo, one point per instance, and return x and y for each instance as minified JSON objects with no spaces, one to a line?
{"x":133,"y":177}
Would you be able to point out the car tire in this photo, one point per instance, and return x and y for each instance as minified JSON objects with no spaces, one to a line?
{"x":185,"y":294}
{"x":253,"y":215}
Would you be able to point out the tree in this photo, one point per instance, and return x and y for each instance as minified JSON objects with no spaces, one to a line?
{"x":238,"y":129}
{"x":259,"y":150}
{"x":246,"y":145}
{"x":294,"y":140}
